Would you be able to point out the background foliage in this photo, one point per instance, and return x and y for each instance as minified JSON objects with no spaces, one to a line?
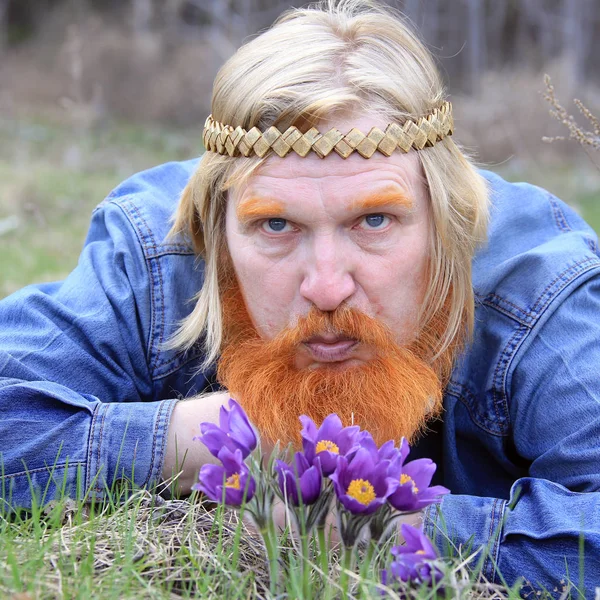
{"x":93,"y":90}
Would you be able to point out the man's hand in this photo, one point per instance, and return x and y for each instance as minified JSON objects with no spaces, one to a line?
{"x":183,"y":454}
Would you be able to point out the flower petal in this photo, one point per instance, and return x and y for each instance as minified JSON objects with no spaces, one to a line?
{"x":403,"y":498}
{"x":388,"y":451}
{"x":404,"y":449}
{"x":310,"y":485}
{"x":352,"y":505}
{"x":431,"y":495}
{"x":232,"y":461}
{"x":361,"y":464}
{"x":210,"y":481}
{"x":412,"y":538}
{"x":347,"y":438}
{"x":420,"y":471}
{"x":287,"y":482}
{"x":215,"y":439}
{"x":301,"y":463}
{"x":309,"y":437}
{"x":330,"y":428}
{"x":309,"y":429}
{"x":339,"y":489}
{"x":239,"y":426}
{"x":246,"y":491}
{"x":365,"y":440}
{"x":327,"y":462}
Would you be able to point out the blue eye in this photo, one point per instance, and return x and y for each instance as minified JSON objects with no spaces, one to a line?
{"x":375,"y":221}
{"x":276,"y":225}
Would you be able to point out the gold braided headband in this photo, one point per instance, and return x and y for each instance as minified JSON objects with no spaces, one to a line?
{"x":426,"y":131}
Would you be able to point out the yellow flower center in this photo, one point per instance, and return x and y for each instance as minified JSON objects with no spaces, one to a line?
{"x":362,"y":491}
{"x":327,"y":446}
{"x":420,"y":552}
{"x":233,"y":481}
{"x":404,"y":478}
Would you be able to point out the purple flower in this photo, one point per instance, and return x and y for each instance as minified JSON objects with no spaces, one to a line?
{"x":413,"y":492}
{"x":387,"y":451}
{"x":361,"y":483}
{"x":413,"y":561}
{"x":300,"y":476}
{"x":233,"y":432}
{"x":323,"y":446}
{"x":232,"y":479}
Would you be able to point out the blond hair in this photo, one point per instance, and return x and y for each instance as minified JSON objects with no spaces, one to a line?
{"x":335,"y":57}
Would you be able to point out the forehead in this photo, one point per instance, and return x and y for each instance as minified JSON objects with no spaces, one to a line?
{"x":380,"y":177}
{"x":280,"y":182}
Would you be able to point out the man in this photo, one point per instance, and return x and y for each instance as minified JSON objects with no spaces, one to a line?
{"x":327,"y":255}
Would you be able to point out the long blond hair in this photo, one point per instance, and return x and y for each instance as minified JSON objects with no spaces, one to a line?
{"x":338,"y":56}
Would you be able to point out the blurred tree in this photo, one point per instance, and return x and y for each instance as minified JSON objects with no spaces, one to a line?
{"x":3,"y":24}
{"x":470,"y":35}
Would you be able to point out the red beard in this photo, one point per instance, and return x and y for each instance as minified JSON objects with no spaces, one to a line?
{"x":392,"y":395}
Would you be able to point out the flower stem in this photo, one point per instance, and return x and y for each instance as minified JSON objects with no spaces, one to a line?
{"x":306,"y":568}
{"x":370,"y":552}
{"x":365,"y":573}
{"x":324,"y":560}
{"x":270,"y":540}
{"x":346,"y":567}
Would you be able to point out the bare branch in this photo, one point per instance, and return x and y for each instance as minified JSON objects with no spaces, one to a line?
{"x":576,"y":132}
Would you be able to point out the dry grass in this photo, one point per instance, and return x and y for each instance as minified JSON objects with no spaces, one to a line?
{"x":157,"y":534}
{"x":157,"y":549}
{"x":587,"y":139}
{"x":508,"y":119}
{"x":146,"y":548}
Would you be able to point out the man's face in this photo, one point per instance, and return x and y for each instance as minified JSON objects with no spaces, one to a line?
{"x":311,"y":232}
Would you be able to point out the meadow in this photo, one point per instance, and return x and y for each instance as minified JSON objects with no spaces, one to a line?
{"x":142,"y":546}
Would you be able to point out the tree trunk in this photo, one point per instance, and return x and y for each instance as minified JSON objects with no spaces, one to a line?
{"x":475,"y":49}
{"x":143,"y":11}
{"x":572,"y":40}
{"x":3,"y":25}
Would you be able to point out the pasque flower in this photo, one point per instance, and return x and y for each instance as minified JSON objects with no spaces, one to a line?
{"x":413,"y":561}
{"x":387,"y":451}
{"x":362,"y":484}
{"x":233,"y":432}
{"x":230,"y":481}
{"x":413,"y":491}
{"x":299,"y":482}
{"x":326,"y":444}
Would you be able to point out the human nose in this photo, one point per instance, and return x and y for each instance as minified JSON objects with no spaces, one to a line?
{"x":328,"y":280}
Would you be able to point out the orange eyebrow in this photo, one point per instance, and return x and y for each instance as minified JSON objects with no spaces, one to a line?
{"x":383,"y":198}
{"x":255,"y":208}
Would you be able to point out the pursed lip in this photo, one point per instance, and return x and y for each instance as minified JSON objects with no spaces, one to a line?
{"x":330,"y":347}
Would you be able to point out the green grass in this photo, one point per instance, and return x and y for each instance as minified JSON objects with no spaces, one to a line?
{"x":578,"y":185}
{"x":52,"y":177}
{"x":137,"y":550}
{"x":589,"y":203}
{"x":144,"y":547}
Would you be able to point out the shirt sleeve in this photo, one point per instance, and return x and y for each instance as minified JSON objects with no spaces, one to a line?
{"x":76,"y":399}
{"x":548,"y":531}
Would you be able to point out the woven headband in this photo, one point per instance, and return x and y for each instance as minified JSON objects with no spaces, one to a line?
{"x":417,"y":134}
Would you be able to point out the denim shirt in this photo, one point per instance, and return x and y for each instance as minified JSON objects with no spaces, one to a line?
{"x":87,"y":386}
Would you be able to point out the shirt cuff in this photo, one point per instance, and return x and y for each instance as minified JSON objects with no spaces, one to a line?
{"x":127,"y":441}
{"x":461,"y":521}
